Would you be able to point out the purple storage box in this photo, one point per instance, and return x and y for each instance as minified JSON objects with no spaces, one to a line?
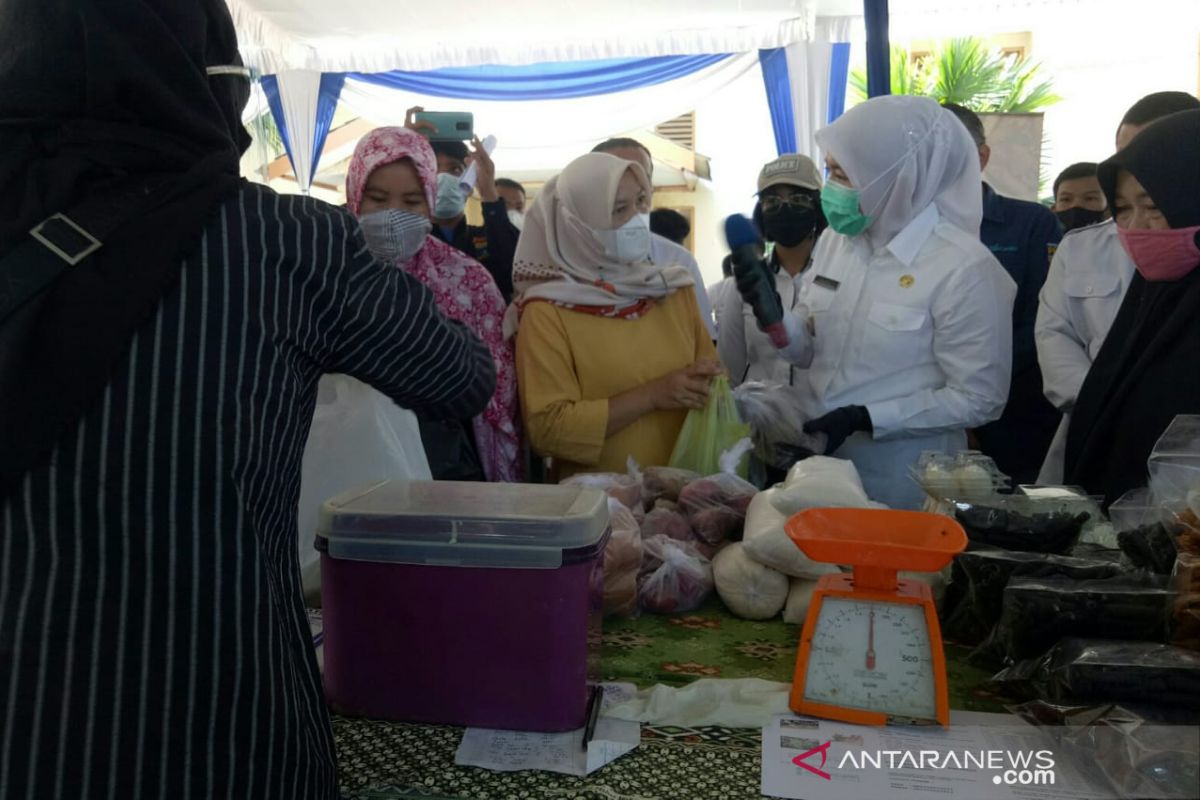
{"x":472,"y":604}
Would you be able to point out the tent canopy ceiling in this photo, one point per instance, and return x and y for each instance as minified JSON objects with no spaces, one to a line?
{"x":384,"y":35}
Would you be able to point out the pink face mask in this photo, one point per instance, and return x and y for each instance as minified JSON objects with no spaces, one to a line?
{"x":1162,"y":255}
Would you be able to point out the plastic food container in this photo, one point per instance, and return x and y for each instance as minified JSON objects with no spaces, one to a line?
{"x":463,"y":603}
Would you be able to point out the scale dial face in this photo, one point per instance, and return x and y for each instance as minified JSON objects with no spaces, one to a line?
{"x":872,"y":656}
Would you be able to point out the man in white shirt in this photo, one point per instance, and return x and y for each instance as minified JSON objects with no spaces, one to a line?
{"x":904,"y":325}
{"x":663,"y":250}
{"x":1084,"y":289}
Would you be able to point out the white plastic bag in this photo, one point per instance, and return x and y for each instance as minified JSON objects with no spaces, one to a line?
{"x":798,"y":600}
{"x":358,"y":437}
{"x":767,"y":542}
{"x":749,"y":589}
{"x":821,"y":482}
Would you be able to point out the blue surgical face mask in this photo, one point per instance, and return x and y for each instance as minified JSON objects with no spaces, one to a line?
{"x":451,"y":197}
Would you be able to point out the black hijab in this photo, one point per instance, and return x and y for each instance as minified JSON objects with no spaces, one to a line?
{"x":96,"y":97}
{"x":1148,"y":370}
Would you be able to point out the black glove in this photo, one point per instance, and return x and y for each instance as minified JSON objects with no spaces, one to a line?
{"x":756,"y":284}
{"x":839,"y":424}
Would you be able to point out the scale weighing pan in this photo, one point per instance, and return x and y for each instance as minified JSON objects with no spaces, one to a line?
{"x":871,"y":648}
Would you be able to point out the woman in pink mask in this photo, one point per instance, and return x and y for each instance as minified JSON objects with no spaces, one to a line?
{"x":391,"y":187}
{"x":1148,"y":370}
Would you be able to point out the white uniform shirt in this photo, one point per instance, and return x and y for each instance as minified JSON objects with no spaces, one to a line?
{"x":716,"y":296}
{"x":747,"y":352}
{"x":919,"y":332}
{"x":1078,"y":303}
{"x":664,"y":251}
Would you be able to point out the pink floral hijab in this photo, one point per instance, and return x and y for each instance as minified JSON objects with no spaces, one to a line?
{"x":463,"y":289}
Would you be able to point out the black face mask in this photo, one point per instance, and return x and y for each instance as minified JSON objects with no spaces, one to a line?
{"x":1079,"y":217}
{"x":789,"y":226}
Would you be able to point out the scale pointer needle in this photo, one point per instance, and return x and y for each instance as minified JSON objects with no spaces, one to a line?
{"x":871,"y":641}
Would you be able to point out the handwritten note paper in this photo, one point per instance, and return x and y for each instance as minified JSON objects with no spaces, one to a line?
{"x":509,"y":751}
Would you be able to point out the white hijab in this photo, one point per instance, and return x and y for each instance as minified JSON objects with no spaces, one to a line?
{"x":560,"y":258}
{"x":903,"y":153}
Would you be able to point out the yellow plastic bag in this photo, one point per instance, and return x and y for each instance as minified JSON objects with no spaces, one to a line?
{"x":709,"y":432}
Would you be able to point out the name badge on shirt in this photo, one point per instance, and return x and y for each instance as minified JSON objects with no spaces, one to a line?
{"x":826,"y":283}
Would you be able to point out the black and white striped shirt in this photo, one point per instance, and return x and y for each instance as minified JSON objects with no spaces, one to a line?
{"x":152,"y":637}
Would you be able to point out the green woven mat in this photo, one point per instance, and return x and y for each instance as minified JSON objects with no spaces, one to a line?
{"x":385,"y":760}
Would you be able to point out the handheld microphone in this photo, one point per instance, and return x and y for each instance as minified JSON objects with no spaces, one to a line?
{"x":754,"y":279}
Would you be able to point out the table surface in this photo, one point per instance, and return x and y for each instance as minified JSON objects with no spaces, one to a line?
{"x":385,"y":760}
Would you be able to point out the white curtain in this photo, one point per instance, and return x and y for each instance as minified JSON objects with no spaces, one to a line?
{"x":808,"y":66}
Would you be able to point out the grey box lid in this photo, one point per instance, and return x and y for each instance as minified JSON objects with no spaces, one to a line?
{"x":464,"y":524}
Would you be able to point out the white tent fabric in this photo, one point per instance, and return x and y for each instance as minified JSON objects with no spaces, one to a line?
{"x":298,"y":90}
{"x":385,"y":35}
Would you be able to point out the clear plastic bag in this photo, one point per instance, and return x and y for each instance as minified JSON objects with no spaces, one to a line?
{"x":776,"y":418}
{"x":675,"y":576}
{"x":1141,"y":751}
{"x":716,"y":506}
{"x":965,"y":476}
{"x":1174,"y":464}
{"x":710,"y":432}
{"x":625,"y":488}
{"x":1099,"y":670}
{"x":622,"y":562}
{"x":672,"y":524}
{"x":974,"y":597}
{"x":664,"y":483}
{"x":1018,"y":522}
{"x":1039,"y":612}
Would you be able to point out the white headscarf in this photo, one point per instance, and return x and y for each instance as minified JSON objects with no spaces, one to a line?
{"x":560,"y":258}
{"x":903,"y":153}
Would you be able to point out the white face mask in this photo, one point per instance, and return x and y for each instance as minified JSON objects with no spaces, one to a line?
{"x":517,"y":218}
{"x":451,"y":197}
{"x":629,"y":243}
{"x":393,"y":235}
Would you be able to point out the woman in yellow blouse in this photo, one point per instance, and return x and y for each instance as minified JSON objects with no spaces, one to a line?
{"x":611,"y":350}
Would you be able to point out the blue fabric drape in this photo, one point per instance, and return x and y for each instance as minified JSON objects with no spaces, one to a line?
{"x":270,"y":86}
{"x":779,"y":98}
{"x":879,"y":59}
{"x":327,"y":100}
{"x":839,"y":75}
{"x":546,"y":81}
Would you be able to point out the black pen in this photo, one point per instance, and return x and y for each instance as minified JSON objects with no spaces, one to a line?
{"x":593,"y":714}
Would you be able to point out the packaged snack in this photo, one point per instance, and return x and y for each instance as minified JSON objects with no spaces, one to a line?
{"x":1038,"y":612}
{"x":1017,"y":522}
{"x":665,"y":483}
{"x":622,"y":561}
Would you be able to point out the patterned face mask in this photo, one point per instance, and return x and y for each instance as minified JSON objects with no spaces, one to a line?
{"x":393,"y":235}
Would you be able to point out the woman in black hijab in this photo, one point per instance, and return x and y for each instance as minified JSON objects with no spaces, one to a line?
{"x":1148,"y":370}
{"x":154,"y":405}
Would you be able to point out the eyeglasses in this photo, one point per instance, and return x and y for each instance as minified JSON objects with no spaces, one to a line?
{"x":772,"y":204}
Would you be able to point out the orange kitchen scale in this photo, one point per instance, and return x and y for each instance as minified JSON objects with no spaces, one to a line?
{"x":871,"y":650}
